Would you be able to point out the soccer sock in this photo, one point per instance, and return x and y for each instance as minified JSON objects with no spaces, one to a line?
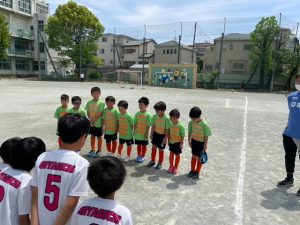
{"x":99,"y":144}
{"x":161,"y":156}
{"x":60,"y":142}
{"x":171,"y":159}
{"x":114,"y":146}
{"x":120,"y":148}
{"x":193,"y":163}
{"x":139,"y":150}
{"x":290,"y":176}
{"x":144,"y":150}
{"x":153,"y":153}
{"x":199,"y":166}
{"x":129,"y":148}
{"x":108,"y":146}
{"x":177,"y":160}
{"x":93,"y":142}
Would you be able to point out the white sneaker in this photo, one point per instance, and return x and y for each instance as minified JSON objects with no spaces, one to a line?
{"x":100,"y":154}
{"x":119,"y":156}
{"x":107,"y":153}
{"x":127,"y":158}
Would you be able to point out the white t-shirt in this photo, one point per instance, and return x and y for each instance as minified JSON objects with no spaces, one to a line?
{"x":57,"y":175}
{"x":3,"y":166}
{"x":82,"y":75}
{"x":99,"y":211}
{"x":15,"y":195}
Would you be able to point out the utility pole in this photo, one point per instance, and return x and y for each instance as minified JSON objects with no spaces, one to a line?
{"x":114,"y":50}
{"x":179,"y":47}
{"x":143,"y":70}
{"x":220,"y":61}
{"x":295,"y":39}
{"x":194,"y":42}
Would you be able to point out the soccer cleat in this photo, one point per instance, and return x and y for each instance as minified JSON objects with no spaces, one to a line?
{"x":158,"y":166}
{"x":127,"y":158}
{"x":298,"y":192}
{"x":95,"y":155}
{"x":195,"y":176}
{"x":119,"y":156}
{"x":175,"y":170}
{"x":191,"y":174}
{"x":137,"y":159}
{"x":141,"y":159}
{"x":150,"y":164}
{"x":170,"y":170}
{"x":99,"y":153}
{"x":107,"y":153}
{"x":90,"y":153}
{"x":286,"y":183}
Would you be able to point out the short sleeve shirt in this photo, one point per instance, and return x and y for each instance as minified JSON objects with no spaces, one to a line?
{"x":177,"y":131}
{"x":94,"y":108}
{"x":125,"y":126}
{"x":159,"y":123}
{"x":80,"y":111}
{"x":293,"y":126}
{"x":199,"y":130}
{"x":60,"y":112}
{"x":110,"y":117}
{"x":142,"y":120}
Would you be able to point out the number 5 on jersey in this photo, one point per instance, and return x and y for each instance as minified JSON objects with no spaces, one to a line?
{"x":52,"y":192}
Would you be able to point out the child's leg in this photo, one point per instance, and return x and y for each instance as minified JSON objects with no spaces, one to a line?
{"x":120,"y":148}
{"x":114,"y":146}
{"x":161,"y":156}
{"x":171,"y":159}
{"x":108,"y":146}
{"x":193,"y":163}
{"x":199,"y":165}
{"x":60,"y":142}
{"x":177,"y":160}
{"x":153,"y":153}
{"x":139,"y":150}
{"x":99,"y":144}
{"x":144,"y":150}
{"x":93,"y":142}
{"x":129,"y":148}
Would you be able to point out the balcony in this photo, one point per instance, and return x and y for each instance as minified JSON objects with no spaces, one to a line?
{"x":21,"y":33}
{"x":21,"y":53}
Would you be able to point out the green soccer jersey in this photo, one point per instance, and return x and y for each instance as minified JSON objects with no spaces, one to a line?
{"x":176,"y":133}
{"x":199,"y":130}
{"x":159,"y":123}
{"x":110,"y":117}
{"x":60,"y":112}
{"x":125,"y":126}
{"x":142,"y":120}
{"x":80,"y":111}
{"x":93,"y":108}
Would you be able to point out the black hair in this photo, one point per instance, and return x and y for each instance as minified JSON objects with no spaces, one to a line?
{"x":72,"y":126}
{"x":64,"y":97}
{"x":144,"y":100}
{"x":25,"y":153}
{"x":110,"y":99}
{"x":160,"y":106}
{"x":298,"y":76}
{"x":123,"y":104}
{"x":174,"y":113}
{"x":95,"y":89}
{"x":76,"y":98}
{"x":106,"y":175}
{"x":6,"y":148}
{"x":195,"y":112}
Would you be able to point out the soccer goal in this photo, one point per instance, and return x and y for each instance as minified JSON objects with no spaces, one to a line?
{"x":130,"y":77}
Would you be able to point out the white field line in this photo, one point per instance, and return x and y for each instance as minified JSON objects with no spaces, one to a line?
{"x":240,"y":184}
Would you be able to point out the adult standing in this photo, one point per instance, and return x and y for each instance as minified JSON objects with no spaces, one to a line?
{"x":291,"y":135}
{"x":82,"y":77}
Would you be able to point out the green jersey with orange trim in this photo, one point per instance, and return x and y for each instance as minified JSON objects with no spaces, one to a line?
{"x":176,"y":133}
{"x":94,"y":108}
{"x":142,"y":120}
{"x":125,"y":126}
{"x":110,"y":117}
{"x":159,"y":123}
{"x":60,"y":112}
{"x":80,"y":111}
{"x":199,"y":130}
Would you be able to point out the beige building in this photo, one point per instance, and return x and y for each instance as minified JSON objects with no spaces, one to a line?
{"x":200,"y":49}
{"x":167,"y":52}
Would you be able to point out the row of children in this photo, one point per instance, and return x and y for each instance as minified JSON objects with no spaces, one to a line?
{"x":51,"y":196}
{"x":164,"y":129}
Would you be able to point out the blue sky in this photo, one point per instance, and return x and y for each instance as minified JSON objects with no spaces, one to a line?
{"x":134,"y":14}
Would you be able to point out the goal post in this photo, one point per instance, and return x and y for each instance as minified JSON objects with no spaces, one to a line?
{"x":130,"y":76}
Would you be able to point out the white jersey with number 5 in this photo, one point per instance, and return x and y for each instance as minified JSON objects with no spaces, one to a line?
{"x":99,"y":211}
{"x":15,"y":195}
{"x":57,"y":175}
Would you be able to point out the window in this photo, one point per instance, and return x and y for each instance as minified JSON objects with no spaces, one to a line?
{"x":42,"y":48}
{"x":167,"y":51}
{"x":208,"y":67}
{"x":101,"y":51}
{"x":237,"y":66}
{"x":171,"y":51}
{"x":43,"y":65}
{"x":164,"y":51}
{"x":6,"y":3}
{"x":175,"y":51}
{"x":25,"y":6}
{"x":231,"y":47}
{"x":247,"y":47}
{"x":22,"y":64}
{"x":5,"y":64}
{"x":42,"y":9}
{"x":217,"y":65}
{"x":40,"y":25}
{"x":35,"y":66}
{"x":104,"y":39}
{"x":130,"y":51}
{"x":111,"y":62}
{"x":21,"y":45}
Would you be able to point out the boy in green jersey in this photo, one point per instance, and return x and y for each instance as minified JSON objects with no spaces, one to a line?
{"x":76,"y":102}
{"x":125,"y":121}
{"x":61,"y":111}
{"x":94,"y":109}
{"x":110,"y":123}
{"x":158,"y":134}
{"x":142,"y":123}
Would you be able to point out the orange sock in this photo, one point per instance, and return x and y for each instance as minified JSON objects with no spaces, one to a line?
{"x":108,"y":146}
{"x":129,"y":148}
{"x":93,"y":142}
{"x":60,"y":142}
{"x":161,"y":156}
{"x":114,"y":146}
{"x":177,"y":160}
{"x":139,"y":150}
{"x":199,"y":166}
{"x":171,"y":159}
{"x":99,"y":144}
{"x":120,"y":148}
{"x":193,"y":163}
{"x":144,"y":150}
{"x":153,"y":153}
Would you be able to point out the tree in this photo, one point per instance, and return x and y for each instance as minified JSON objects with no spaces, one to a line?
{"x":261,"y":54}
{"x":4,"y":36}
{"x":73,"y":31}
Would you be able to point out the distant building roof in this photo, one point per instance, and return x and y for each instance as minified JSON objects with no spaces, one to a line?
{"x":173,"y":44}
{"x":137,"y":43}
{"x":235,"y":36}
{"x":139,"y":66}
{"x":120,"y":36}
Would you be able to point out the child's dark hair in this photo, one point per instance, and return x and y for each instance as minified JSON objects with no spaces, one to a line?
{"x":174,"y":113}
{"x":106,"y":175}
{"x":195,"y":112}
{"x":95,"y":89}
{"x":25,"y":153}
{"x":160,"y":106}
{"x":64,"y":97}
{"x":110,"y":99}
{"x":123,"y":104}
{"x":144,"y":100}
{"x":7,"y":147}
{"x":76,"y":98}
{"x":298,"y":76}
{"x":72,"y":126}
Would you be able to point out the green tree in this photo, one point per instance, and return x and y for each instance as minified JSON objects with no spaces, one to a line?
{"x":4,"y":36}
{"x":262,"y":51}
{"x":73,"y":31}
